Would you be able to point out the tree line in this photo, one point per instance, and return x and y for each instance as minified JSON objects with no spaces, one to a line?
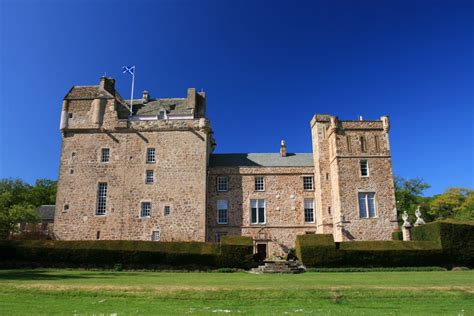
{"x":19,"y":200}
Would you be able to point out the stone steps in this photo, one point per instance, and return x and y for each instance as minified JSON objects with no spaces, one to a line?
{"x":280,"y":266}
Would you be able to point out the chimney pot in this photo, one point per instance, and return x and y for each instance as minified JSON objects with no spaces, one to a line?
{"x":146,"y":96}
{"x":283,"y":148}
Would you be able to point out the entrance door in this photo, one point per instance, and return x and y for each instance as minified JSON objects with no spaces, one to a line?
{"x":262,"y":250}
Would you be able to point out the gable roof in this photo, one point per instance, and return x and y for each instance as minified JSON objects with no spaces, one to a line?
{"x":261,"y":160}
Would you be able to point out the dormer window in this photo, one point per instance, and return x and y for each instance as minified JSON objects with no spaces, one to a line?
{"x":162,"y":115}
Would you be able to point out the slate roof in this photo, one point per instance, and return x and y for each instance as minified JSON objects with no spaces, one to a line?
{"x":173,"y":106}
{"x":261,"y":160}
{"x":86,"y":92}
{"x":46,"y":212}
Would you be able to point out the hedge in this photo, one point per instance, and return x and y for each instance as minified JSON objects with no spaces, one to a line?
{"x":232,"y":253}
{"x":445,"y":244}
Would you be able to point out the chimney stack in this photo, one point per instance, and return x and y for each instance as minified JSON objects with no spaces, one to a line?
{"x":283,"y":149}
{"x":146,"y":96}
{"x":107,"y":84}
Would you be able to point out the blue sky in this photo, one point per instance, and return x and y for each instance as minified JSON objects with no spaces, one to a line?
{"x":267,"y":67}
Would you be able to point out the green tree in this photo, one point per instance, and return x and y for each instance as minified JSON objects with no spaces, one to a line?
{"x":455,"y":203}
{"x":408,"y":194}
{"x":18,"y":202}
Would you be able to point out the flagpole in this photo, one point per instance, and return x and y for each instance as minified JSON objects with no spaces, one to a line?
{"x":131,"y":100}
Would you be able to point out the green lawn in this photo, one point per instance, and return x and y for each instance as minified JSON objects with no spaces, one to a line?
{"x":75,"y":292}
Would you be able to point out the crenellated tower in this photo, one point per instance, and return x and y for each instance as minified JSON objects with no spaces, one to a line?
{"x":353,"y":177}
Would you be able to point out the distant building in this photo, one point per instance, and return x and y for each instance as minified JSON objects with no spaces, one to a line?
{"x":153,"y":176}
{"x":46,"y":225}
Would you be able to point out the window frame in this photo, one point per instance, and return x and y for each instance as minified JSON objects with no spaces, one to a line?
{"x":221,"y":183}
{"x":101,"y":201}
{"x":366,"y":168}
{"x":147,"y":179}
{"x":226,"y":202}
{"x":305,"y":211}
{"x":363,"y":144}
{"x":143,"y":209}
{"x":312,"y":183}
{"x":155,"y":232}
{"x":256,"y":178}
{"x":366,"y":200}
{"x":149,"y":155}
{"x":166,"y":210}
{"x":105,"y":153}
{"x":257,"y":210}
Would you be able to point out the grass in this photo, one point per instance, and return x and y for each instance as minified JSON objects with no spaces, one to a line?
{"x":76,"y":292}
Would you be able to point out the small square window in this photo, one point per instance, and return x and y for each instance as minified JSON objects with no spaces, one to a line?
{"x":308,"y":183}
{"x":259,"y":184}
{"x":145,"y":209}
{"x":364,"y":168}
{"x":105,"y":155}
{"x":70,"y":115}
{"x":150,"y":155}
{"x":167,"y":210}
{"x":150,"y":177}
{"x":222,"y":184}
{"x":155,"y":235}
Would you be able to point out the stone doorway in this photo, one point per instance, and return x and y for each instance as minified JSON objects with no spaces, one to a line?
{"x":261,"y":249}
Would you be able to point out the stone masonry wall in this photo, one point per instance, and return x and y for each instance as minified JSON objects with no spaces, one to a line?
{"x":284,"y":197}
{"x":179,"y":172}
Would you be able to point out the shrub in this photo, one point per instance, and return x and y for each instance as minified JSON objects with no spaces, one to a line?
{"x":397,"y":235}
{"x":446,"y":244}
{"x":126,"y":254}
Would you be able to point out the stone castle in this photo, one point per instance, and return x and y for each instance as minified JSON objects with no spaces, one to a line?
{"x":150,"y":174}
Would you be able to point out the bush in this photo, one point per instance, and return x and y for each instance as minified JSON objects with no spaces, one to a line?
{"x":397,"y":235}
{"x":446,"y":244}
{"x":236,"y":252}
{"x":126,"y":254}
{"x":454,"y":236}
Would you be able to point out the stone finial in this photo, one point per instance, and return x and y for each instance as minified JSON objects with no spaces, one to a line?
{"x":283,"y":148}
{"x":419,"y":220}
{"x":385,"y":123}
{"x":405,"y":217}
{"x":406,"y":227}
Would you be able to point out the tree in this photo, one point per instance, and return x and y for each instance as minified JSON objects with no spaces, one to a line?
{"x":18,"y":201}
{"x":454,"y":203}
{"x":408,"y":194}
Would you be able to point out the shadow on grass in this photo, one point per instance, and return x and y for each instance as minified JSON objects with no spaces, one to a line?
{"x":51,"y":275}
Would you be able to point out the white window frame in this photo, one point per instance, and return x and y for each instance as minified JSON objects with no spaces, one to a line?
{"x":257,"y":216}
{"x":101,"y":204}
{"x":257,"y":183}
{"x":305,"y":183}
{"x":148,"y":179}
{"x":222,"y":186}
{"x":306,"y":209}
{"x":222,"y":205}
{"x":105,"y":155}
{"x":150,"y":155}
{"x":365,"y":199}
{"x":366,"y":167}
{"x":155,"y":235}
{"x":145,"y":212}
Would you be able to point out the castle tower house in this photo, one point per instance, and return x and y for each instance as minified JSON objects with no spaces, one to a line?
{"x":353,"y":178}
